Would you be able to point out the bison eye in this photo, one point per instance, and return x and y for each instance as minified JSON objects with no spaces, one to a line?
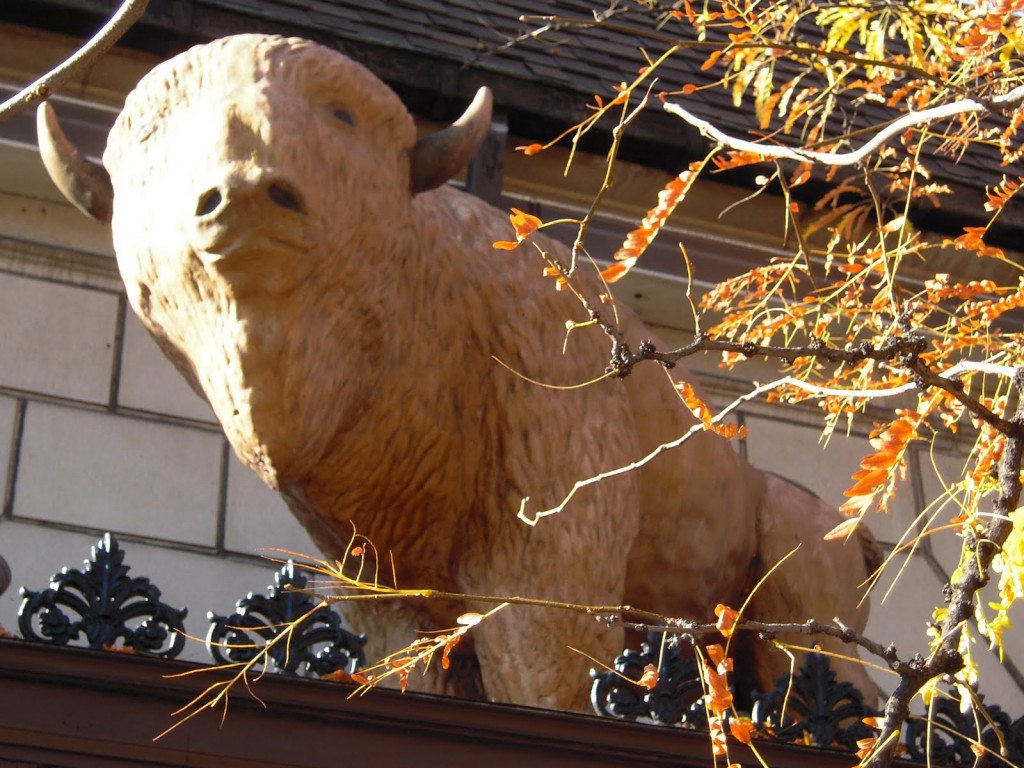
{"x":344,"y":115}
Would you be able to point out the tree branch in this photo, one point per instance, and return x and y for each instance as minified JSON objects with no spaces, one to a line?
{"x":974,"y":571}
{"x":902,"y":350}
{"x":102,"y":42}
{"x":896,"y":127}
{"x":768,"y":630}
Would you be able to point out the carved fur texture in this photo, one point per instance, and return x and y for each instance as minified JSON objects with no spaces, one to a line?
{"x":345,"y":332}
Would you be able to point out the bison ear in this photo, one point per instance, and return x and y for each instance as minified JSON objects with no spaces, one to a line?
{"x":84,"y":183}
{"x":439,"y":156}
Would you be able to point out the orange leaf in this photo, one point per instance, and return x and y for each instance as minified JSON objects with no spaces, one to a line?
{"x":728,"y":431}
{"x":864,"y":747}
{"x":712,"y":58}
{"x":525,"y":224}
{"x":530,"y":149}
{"x":339,"y":676}
{"x":649,"y":679}
{"x":719,"y":697}
{"x":742,"y":729}
{"x":868,"y":481}
{"x":506,"y":245}
{"x":614,"y":271}
{"x":726,"y":619}
{"x":717,"y":736}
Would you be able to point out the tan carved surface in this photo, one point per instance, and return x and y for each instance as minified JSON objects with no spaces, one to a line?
{"x":279,"y":233}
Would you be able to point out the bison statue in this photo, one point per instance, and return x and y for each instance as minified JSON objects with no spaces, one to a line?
{"x":291,"y":244}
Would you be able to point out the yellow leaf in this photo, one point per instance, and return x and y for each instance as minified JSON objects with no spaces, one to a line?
{"x":895,"y":225}
{"x":843,"y":530}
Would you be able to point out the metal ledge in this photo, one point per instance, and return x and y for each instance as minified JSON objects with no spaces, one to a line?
{"x":81,"y":708}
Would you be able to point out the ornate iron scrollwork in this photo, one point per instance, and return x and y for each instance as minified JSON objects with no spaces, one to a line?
{"x":319,"y":643}
{"x":5,"y":575}
{"x":820,"y":711}
{"x":676,"y":699}
{"x":108,"y":604}
{"x":953,"y":730}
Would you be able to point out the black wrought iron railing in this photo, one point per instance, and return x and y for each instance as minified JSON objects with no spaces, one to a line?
{"x":102,"y":606}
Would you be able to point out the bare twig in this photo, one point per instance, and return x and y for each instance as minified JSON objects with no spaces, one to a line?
{"x":129,"y":12}
{"x":1009,"y":427}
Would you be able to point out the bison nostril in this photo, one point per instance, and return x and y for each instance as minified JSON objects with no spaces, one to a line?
{"x":209,"y":202}
{"x":285,"y":198}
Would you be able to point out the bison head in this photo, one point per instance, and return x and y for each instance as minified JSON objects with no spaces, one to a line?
{"x":238,"y":174}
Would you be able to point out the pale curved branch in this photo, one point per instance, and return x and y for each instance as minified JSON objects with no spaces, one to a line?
{"x":896,"y":127}
{"x":757,"y":391}
{"x":129,"y":12}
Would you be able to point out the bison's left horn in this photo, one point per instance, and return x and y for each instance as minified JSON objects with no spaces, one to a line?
{"x":84,"y":183}
{"x":439,"y":156}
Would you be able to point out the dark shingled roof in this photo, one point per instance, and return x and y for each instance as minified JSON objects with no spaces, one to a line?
{"x":435,"y":53}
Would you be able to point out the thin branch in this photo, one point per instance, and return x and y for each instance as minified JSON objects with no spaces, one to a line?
{"x":901,"y":350}
{"x":698,"y":427}
{"x":896,"y":127}
{"x":560,"y":24}
{"x":129,"y":12}
{"x":768,"y":631}
{"x":1012,"y":427}
{"x":384,"y":593}
{"x":610,"y":165}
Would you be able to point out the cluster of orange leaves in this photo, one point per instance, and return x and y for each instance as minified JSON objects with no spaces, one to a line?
{"x":873,"y":482}
{"x":525,"y":224}
{"x":972,"y":239}
{"x":716,"y":665}
{"x":639,"y":239}
{"x":704,"y":414}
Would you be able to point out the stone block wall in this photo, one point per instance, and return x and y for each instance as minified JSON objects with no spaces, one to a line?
{"x":99,"y":433}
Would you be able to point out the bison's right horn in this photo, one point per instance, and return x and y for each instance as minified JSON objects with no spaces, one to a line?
{"x":84,"y":183}
{"x":439,"y":156}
